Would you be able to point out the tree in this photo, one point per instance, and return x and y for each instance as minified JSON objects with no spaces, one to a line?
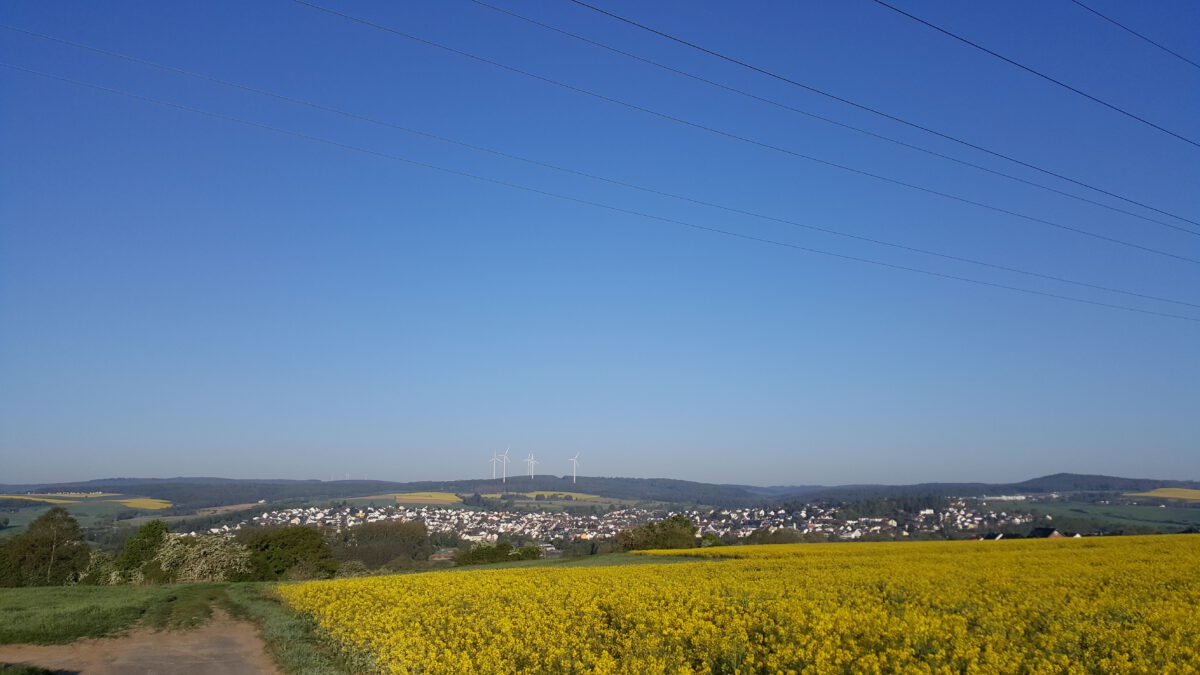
{"x":377,"y":544}
{"x":784,"y":535}
{"x":527,"y":553}
{"x":141,"y":547}
{"x":100,"y":570}
{"x":201,"y":559}
{"x":483,"y":553}
{"x":674,"y":532}
{"x":10,"y":571}
{"x":275,"y":551}
{"x":51,"y":551}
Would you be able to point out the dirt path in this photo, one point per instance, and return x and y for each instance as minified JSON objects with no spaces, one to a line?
{"x":221,"y":646}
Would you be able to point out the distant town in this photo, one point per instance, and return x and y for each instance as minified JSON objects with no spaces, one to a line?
{"x":820,"y":520}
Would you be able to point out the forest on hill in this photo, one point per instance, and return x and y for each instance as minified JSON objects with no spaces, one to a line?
{"x":189,"y":494}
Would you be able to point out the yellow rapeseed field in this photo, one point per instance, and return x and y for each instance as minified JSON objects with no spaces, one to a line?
{"x":1169,"y":493}
{"x":143,"y":503}
{"x":1103,"y":605}
{"x":425,"y":497}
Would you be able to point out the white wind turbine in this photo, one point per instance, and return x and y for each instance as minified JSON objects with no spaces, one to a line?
{"x":504,"y":465}
{"x":574,"y":467}
{"x":531,"y":462}
{"x":495,"y":458}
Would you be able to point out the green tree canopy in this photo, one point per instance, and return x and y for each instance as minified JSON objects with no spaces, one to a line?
{"x":275,"y":551}
{"x":674,"y":532}
{"x":377,"y":544}
{"x":51,"y":551}
{"x":141,"y":546}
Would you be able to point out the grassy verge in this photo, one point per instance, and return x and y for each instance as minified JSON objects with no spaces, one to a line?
{"x":15,"y":669}
{"x":58,"y":615}
{"x":293,"y":640}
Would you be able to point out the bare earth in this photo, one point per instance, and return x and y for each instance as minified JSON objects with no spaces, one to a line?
{"x":222,"y":646}
{"x":216,"y":510}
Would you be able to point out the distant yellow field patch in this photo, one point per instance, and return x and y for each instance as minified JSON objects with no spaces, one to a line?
{"x":41,"y":498}
{"x":425,"y":497}
{"x":1169,"y":493}
{"x":143,"y":503}
{"x":545,"y":494}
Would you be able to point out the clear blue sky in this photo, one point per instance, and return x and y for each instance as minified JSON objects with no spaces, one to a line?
{"x":184,"y":295}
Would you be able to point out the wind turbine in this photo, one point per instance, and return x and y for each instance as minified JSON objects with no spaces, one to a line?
{"x":574,"y":466}
{"x":504,"y":465}
{"x":531,"y":462}
{"x":495,"y":458}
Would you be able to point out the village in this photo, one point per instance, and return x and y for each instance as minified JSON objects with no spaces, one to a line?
{"x":819,"y":520}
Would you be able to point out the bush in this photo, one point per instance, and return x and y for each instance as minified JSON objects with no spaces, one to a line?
{"x":199,"y":559}
{"x":674,"y":532}
{"x":141,"y":547}
{"x":352,"y":568}
{"x":275,"y":551}
{"x":378,"y":544}
{"x":527,"y":553}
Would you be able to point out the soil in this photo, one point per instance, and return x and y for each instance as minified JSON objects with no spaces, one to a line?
{"x":222,"y":646}
{"x":228,"y":508}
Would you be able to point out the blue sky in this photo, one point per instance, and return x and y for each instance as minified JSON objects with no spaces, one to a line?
{"x":186,"y":295}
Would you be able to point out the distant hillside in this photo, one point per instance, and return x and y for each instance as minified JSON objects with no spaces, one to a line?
{"x":1059,"y":482}
{"x":188,"y":494}
{"x":194,"y":493}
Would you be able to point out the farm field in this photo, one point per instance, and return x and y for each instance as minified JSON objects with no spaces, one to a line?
{"x":85,"y":511}
{"x":1167,"y":517}
{"x":431,"y":498}
{"x":1111,"y":605}
{"x":1169,"y":493}
{"x":59,"y":497}
{"x":547,"y":494}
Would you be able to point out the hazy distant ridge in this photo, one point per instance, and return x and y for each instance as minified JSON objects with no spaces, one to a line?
{"x":198,"y":492}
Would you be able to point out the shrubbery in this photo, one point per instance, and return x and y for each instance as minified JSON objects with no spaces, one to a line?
{"x":674,"y":532}
{"x":502,"y":552}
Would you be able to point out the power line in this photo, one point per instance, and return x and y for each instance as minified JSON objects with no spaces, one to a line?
{"x":1038,"y":73}
{"x":744,"y":139}
{"x":1127,"y":29}
{"x":587,"y":202}
{"x":612,"y":181}
{"x":876,"y":111}
{"x":811,"y":115}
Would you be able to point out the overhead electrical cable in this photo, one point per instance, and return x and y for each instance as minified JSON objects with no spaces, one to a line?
{"x":876,"y":111}
{"x":588,"y":202}
{"x":745,"y":139}
{"x":828,"y":120}
{"x":1131,"y":31}
{"x":611,"y":181}
{"x":1038,"y":73}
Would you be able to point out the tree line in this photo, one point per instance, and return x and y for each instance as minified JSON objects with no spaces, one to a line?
{"x":53,"y":551}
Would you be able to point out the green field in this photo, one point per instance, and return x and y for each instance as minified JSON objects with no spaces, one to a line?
{"x":86,"y":512}
{"x":61,"y":614}
{"x":1168,"y":518}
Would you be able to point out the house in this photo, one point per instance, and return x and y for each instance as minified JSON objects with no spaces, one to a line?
{"x":443,"y":556}
{"x":1044,"y":533}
